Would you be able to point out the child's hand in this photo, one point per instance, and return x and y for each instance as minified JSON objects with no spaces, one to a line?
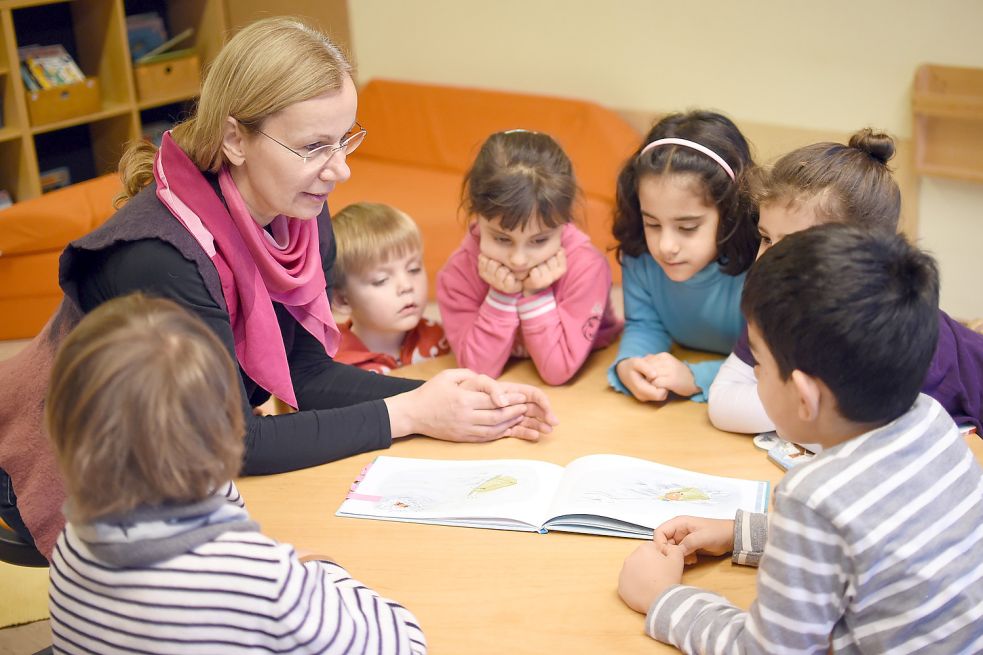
{"x":667,"y":372}
{"x":647,"y":573}
{"x":498,"y":275}
{"x":544,"y":275}
{"x":696,"y":535}
{"x":636,"y":373}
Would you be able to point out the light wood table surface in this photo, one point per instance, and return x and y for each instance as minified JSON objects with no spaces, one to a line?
{"x":491,"y":591}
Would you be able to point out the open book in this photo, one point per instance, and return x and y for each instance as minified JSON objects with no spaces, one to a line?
{"x":597,"y":494}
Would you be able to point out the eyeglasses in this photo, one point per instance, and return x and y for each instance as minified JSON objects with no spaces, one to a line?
{"x":321,"y":155}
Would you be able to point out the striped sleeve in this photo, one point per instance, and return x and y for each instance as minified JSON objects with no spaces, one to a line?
{"x":750,"y":534}
{"x":801,"y":596}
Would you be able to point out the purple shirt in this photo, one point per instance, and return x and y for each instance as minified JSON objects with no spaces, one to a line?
{"x":954,"y":378}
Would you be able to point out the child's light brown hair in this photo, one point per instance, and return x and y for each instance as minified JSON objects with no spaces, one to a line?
{"x":144,"y":408}
{"x":848,"y":183}
{"x":368,"y":234}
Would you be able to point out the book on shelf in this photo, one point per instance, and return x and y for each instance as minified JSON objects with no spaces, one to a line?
{"x":55,"y":178}
{"x":144,"y":32}
{"x":610,"y":495}
{"x":48,"y":66}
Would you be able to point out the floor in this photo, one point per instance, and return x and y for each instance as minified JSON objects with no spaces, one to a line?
{"x":25,"y":639}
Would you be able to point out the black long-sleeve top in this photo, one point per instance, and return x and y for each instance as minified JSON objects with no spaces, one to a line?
{"x":342,"y":411}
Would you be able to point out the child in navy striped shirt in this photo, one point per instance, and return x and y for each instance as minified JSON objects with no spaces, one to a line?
{"x":875,"y":545}
{"x":158,"y":554}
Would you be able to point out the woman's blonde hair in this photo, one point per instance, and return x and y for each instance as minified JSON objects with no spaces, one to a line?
{"x":368,"y":234}
{"x":144,"y":408}
{"x":266,"y":67}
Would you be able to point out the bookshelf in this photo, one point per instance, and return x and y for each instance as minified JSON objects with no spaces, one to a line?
{"x":94,"y":33}
{"x":947,"y":104}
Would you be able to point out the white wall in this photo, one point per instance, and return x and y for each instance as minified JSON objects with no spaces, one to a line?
{"x":833,"y":65}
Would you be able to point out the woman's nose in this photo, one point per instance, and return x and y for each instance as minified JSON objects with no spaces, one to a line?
{"x":336,"y":169}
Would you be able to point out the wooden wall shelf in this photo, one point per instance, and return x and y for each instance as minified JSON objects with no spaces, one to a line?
{"x":94,"y":32}
{"x":947,"y":107}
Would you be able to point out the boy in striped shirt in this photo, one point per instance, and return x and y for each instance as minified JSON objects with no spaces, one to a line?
{"x":158,"y":554}
{"x":876,"y":545}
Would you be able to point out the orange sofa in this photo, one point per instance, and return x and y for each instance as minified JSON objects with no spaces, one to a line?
{"x":421,"y":139}
{"x":32,"y":235}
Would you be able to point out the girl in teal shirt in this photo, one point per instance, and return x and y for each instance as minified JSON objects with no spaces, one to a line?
{"x":687,"y":232}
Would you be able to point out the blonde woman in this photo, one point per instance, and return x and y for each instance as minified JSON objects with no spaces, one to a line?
{"x":229,"y":219}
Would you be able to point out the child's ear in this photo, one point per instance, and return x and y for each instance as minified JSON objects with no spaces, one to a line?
{"x":339,"y":301}
{"x":809,"y":395}
{"x":232,"y":141}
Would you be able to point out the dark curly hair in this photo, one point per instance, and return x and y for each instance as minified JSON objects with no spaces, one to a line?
{"x":737,"y":232}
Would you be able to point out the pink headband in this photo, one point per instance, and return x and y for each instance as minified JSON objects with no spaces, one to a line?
{"x":695,"y":146}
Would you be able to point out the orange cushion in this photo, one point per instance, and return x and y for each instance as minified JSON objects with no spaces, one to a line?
{"x":52,"y":220}
{"x":442,"y":127}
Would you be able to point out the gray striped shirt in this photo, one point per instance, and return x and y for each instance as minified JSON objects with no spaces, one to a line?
{"x":239,"y":593}
{"x":876,"y":546}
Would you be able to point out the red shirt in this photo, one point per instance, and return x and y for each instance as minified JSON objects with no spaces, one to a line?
{"x":424,"y":341}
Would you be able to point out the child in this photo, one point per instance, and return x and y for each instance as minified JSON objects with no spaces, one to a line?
{"x":686,"y":234}
{"x":875,"y":545}
{"x":145,"y":415}
{"x":830,"y":182}
{"x":525,"y":281}
{"x":380,"y":283}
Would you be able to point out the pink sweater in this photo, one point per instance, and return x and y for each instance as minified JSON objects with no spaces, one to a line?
{"x":557,"y":327}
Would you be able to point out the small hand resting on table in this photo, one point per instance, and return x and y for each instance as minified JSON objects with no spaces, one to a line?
{"x":461,"y":405}
{"x":652,"y":377}
{"x":648,"y":572}
{"x":696,"y":536}
{"x":657,"y":565}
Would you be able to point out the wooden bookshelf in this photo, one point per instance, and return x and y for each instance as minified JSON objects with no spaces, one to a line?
{"x":947,"y":106}
{"x":94,"y":33}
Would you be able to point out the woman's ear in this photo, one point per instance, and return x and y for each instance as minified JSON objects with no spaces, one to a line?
{"x":809,"y":395}
{"x":233,"y":138}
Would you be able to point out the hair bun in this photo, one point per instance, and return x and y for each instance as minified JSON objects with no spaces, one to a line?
{"x":878,"y":145}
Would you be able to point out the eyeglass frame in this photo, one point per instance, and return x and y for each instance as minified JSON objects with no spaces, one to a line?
{"x":359,"y":134}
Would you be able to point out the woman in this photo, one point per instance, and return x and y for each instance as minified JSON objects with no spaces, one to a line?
{"x":229,"y":219}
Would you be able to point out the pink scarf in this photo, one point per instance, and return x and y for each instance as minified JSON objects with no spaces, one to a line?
{"x":254,"y":267}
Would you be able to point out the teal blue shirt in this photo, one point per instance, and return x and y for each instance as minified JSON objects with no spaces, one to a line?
{"x":702,"y":313}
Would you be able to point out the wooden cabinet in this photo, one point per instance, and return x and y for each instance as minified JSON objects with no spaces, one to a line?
{"x":947,"y":105}
{"x":89,"y":138}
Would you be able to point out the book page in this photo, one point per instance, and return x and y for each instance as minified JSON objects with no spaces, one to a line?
{"x":499,"y":493}
{"x":646,"y":494}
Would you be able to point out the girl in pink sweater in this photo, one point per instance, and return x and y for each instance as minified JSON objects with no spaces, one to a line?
{"x":525,"y":282}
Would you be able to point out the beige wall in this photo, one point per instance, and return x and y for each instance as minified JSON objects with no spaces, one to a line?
{"x":781,"y":67}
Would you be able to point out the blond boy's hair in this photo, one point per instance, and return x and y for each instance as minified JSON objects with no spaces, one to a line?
{"x":144,"y":408}
{"x":368,"y":234}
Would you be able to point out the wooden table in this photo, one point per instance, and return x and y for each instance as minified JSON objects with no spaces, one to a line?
{"x":490,"y":591}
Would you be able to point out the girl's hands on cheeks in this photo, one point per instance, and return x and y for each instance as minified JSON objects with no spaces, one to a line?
{"x":647,"y":573}
{"x":544,"y":275}
{"x":498,"y":275}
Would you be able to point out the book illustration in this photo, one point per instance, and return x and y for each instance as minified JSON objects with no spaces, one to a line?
{"x":423,"y":491}
{"x":642,"y":486}
{"x":784,"y":453}
{"x":493,"y":483}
